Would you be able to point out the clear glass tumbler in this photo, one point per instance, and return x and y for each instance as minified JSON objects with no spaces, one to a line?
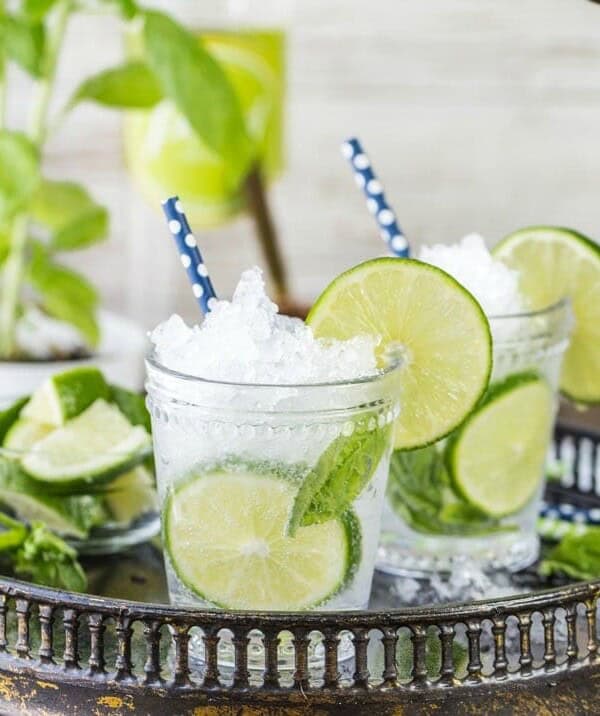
{"x":271,"y":495}
{"x":476,"y":494}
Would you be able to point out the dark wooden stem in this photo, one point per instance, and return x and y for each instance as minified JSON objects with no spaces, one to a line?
{"x":266,"y":233}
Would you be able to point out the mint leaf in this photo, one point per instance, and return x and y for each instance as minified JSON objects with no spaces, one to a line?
{"x":132,"y":85}
{"x":23,"y":41}
{"x":200,"y":89}
{"x":37,"y":9}
{"x":577,"y":556}
{"x":9,"y":415}
{"x":19,"y":172}
{"x":70,"y":213}
{"x":339,"y":476}
{"x":127,"y":8}
{"x":14,"y":533}
{"x":65,"y":294}
{"x":419,"y":491}
{"x":47,"y":559}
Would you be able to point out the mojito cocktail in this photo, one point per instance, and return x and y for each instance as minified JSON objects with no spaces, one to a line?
{"x":476,"y":492}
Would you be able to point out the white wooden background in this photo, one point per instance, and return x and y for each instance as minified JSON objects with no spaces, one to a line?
{"x":477,"y":115}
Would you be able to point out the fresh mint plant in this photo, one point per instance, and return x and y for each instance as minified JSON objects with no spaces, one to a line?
{"x":577,"y":556}
{"x":42,"y":219}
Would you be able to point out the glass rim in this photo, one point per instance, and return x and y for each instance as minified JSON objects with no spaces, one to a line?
{"x":391,"y":368}
{"x":564,"y":302}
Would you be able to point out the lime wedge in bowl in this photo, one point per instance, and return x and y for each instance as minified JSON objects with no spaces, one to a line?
{"x":225,"y":534}
{"x":555,"y":263}
{"x":92,"y":448}
{"x":435,"y":324}
{"x":496,"y":460}
{"x":65,"y":395}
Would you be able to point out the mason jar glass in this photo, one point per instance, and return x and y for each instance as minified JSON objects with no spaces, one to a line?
{"x":476,"y":494}
{"x":270,"y":495}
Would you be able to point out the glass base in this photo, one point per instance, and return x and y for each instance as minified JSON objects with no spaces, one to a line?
{"x":111,"y":539}
{"x":420,"y":555}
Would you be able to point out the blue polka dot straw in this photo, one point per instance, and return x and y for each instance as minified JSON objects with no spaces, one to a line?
{"x":365,"y":177}
{"x":189,"y":254}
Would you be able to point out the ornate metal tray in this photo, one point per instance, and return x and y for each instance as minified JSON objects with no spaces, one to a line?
{"x":79,"y":654}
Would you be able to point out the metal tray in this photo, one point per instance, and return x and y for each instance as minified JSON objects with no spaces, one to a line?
{"x":80,"y":654}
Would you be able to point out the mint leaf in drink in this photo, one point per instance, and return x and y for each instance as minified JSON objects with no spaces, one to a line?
{"x":577,"y":556}
{"x":339,"y":476}
{"x":419,"y":491}
{"x":37,"y":9}
{"x":65,"y":294}
{"x":73,"y":217}
{"x":19,"y":172}
{"x":23,"y":41}
{"x":132,"y":85}
{"x":199,"y":88}
{"x":46,"y":559}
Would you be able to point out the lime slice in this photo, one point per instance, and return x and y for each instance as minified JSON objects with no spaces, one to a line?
{"x":65,"y":395}
{"x":24,"y":433}
{"x":71,"y":516}
{"x":94,"y":447}
{"x":225,"y":533}
{"x":9,"y":416}
{"x":554,"y":263}
{"x":497,"y":459}
{"x":438,"y":327}
{"x":167,"y":157}
{"x":131,"y":495}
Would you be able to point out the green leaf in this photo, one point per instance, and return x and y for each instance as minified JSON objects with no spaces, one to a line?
{"x":65,"y":294}
{"x":14,"y":535}
{"x":37,"y":9}
{"x":127,"y":8}
{"x":419,"y":492}
{"x":70,"y":212}
{"x":338,"y":478}
{"x":577,"y":556}
{"x":24,"y":41}
{"x":47,"y":559}
{"x":9,"y":415}
{"x":132,"y":85}
{"x":199,"y":88}
{"x":132,"y":405}
{"x":19,"y":173}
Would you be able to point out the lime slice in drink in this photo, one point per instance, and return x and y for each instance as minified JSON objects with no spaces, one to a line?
{"x":65,"y":395}
{"x":497,"y":459}
{"x":9,"y":416}
{"x":70,"y":516}
{"x":167,"y":157}
{"x":93,"y":447}
{"x":554,"y":263}
{"x":131,"y":495}
{"x":24,"y":433}
{"x":434,"y":323}
{"x":225,"y":533}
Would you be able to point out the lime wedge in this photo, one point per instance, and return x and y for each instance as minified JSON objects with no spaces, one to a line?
{"x":66,"y":395}
{"x":9,"y":416}
{"x":131,"y":495}
{"x":71,"y":516}
{"x":438,"y":327}
{"x":554,"y":263}
{"x":496,"y":460}
{"x":24,"y":433}
{"x":94,"y":447}
{"x":225,"y":533}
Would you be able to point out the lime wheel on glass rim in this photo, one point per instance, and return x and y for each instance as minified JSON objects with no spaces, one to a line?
{"x":225,"y":534}
{"x":554,"y":264}
{"x":437,"y":327}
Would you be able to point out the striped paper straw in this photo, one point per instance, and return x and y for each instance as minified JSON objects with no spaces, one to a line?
{"x":365,"y":177}
{"x":191,"y":258}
